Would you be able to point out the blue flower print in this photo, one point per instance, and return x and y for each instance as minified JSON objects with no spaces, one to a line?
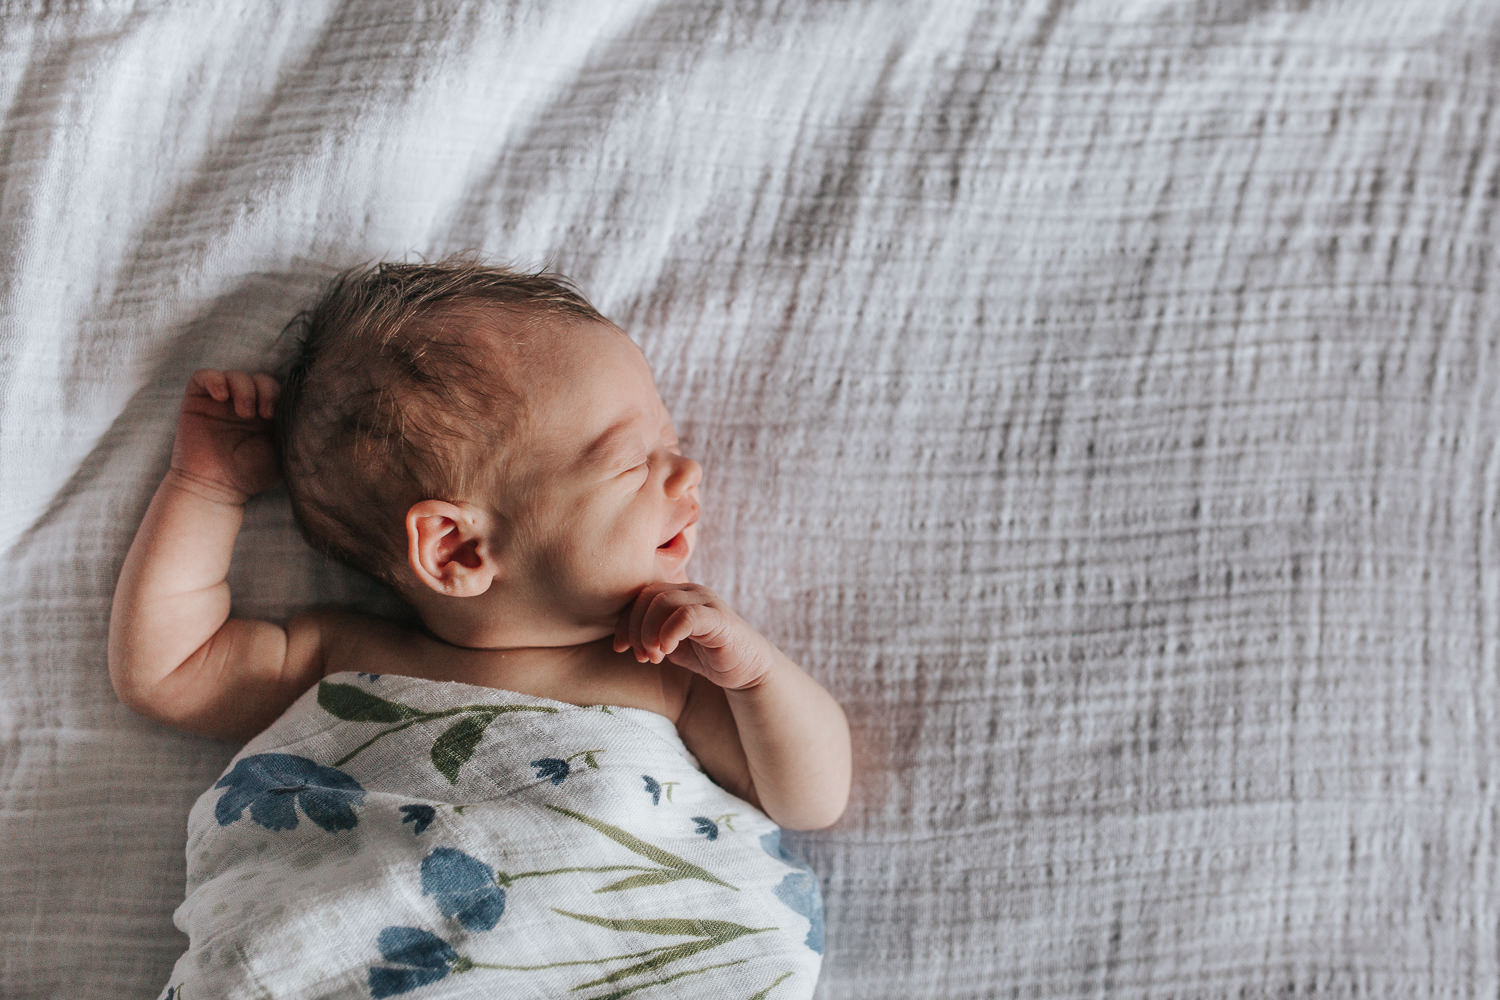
{"x":798,"y":891}
{"x":552,"y":767}
{"x":653,"y":788}
{"x":464,"y":887}
{"x":424,"y":958}
{"x":772,"y":845}
{"x":707,"y":827}
{"x":420,"y":817}
{"x":272,"y":785}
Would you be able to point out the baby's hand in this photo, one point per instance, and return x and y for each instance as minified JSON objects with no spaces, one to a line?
{"x":223,"y":447}
{"x":687,"y":625}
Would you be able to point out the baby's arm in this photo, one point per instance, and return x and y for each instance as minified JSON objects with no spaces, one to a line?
{"x":759,"y":724}
{"x":174,"y":653}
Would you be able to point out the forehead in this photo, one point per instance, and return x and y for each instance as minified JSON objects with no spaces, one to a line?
{"x":589,"y":386}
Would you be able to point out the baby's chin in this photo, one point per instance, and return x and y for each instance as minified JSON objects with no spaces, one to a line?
{"x":675,"y":573}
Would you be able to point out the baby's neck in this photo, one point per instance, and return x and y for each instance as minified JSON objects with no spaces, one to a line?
{"x":533,"y":634}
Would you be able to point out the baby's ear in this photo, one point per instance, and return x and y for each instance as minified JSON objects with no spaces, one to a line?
{"x":447,"y":548}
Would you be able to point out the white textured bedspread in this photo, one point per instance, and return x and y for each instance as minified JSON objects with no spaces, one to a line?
{"x":1099,"y":396}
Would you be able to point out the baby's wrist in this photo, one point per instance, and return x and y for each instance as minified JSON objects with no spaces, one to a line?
{"x":758,"y":665}
{"x":204,"y":488}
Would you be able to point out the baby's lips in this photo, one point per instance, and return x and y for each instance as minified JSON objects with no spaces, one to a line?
{"x":692,"y":519}
{"x":676,"y":546}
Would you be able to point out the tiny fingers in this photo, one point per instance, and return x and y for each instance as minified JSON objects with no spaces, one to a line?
{"x":210,"y":381}
{"x":242,"y":393}
{"x":250,"y":394}
{"x":677,"y":627}
{"x":640,"y":622}
{"x":628,"y":625}
{"x":634,"y":629}
{"x":662,"y":616}
{"x":656,"y":638}
{"x":268,"y":391}
{"x":622,"y":633}
{"x":677,"y":620}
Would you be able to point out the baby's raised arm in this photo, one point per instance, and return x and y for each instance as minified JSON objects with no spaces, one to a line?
{"x":174,"y":653}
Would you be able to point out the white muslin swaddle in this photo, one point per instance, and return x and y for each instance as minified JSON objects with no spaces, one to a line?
{"x":392,"y":836}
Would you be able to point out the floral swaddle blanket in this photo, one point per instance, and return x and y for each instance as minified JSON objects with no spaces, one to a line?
{"x":392,"y":836}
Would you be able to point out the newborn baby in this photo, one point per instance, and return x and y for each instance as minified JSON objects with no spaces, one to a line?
{"x":509,"y":799}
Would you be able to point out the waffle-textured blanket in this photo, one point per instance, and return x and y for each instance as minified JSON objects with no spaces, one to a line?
{"x":1099,"y":397}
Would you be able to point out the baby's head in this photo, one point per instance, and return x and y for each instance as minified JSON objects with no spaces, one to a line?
{"x":459,"y":430}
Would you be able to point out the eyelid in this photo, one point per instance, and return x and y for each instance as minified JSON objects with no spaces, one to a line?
{"x":673,"y":445}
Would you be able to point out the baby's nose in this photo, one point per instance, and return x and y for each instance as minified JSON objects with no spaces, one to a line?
{"x":685,"y":475}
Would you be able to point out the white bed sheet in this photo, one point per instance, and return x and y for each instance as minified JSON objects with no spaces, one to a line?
{"x":1099,"y":397}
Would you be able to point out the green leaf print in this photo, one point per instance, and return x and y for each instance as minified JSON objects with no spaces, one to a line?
{"x":718,"y":930}
{"x":658,"y":877}
{"x":710,"y":934}
{"x":680,"y":866}
{"x":777,"y":982}
{"x":345,"y":701}
{"x":449,"y":752}
{"x":454,"y":748}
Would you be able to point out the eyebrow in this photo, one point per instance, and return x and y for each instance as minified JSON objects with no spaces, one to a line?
{"x":602,"y":444}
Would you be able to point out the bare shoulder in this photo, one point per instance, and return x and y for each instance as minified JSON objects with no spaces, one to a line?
{"x":353,"y":641}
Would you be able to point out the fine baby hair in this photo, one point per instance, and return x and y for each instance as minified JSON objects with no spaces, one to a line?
{"x":386,"y":400}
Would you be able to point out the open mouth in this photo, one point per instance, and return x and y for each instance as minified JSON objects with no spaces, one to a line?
{"x":677,"y":545}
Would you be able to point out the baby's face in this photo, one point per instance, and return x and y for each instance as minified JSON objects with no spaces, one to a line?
{"x":605,"y":500}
